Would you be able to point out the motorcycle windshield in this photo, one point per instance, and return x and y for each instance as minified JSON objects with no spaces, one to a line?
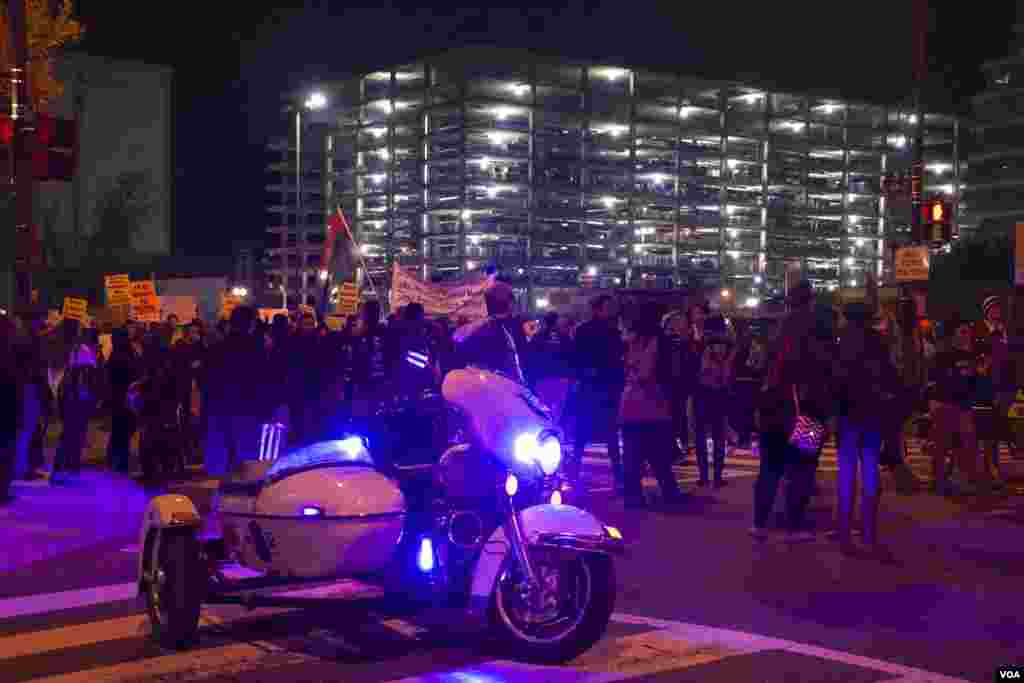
{"x":347,"y":451}
{"x":487,"y":345}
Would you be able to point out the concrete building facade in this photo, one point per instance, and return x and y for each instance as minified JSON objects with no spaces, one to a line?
{"x":565,"y":173}
{"x":993,"y":194}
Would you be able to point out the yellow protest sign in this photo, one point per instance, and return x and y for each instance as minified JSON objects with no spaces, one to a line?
{"x":75,"y":309}
{"x":348,"y":299}
{"x":145,"y":302}
{"x":335,"y":322}
{"x":119,"y":290}
{"x":228,"y":303}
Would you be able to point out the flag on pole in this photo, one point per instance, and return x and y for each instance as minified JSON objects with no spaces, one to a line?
{"x":335,"y":224}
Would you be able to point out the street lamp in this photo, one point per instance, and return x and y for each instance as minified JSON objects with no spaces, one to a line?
{"x":315,"y":101}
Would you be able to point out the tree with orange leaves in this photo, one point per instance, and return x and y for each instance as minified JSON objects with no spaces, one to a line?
{"x":50,"y":25}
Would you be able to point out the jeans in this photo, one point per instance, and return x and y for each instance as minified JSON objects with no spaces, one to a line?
{"x":778,"y":456}
{"x":711,"y":408}
{"x":681,"y":420}
{"x":7,"y":452}
{"x":122,"y":427}
{"x":230,"y":440}
{"x":72,"y":440}
{"x":597,"y":415}
{"x":950,"y":421}
{"x":649,"y":442}
{"x":858,"y":445}
{"x":33,"y":408}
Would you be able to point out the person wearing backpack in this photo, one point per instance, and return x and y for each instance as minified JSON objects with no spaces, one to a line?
{"x":714,"y":382}
{"x":77,"y":397}
{"x":645,"y":410}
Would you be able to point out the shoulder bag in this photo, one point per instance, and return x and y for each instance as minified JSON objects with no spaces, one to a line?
{"x":808,"y":434}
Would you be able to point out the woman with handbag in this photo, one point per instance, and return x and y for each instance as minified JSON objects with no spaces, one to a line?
{"x":793,"y":407}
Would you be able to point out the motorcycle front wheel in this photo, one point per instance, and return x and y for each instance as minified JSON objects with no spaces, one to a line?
{"x":571,"y":612}
{"x":174,"y":591}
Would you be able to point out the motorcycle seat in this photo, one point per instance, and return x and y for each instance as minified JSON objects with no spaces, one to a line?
{"x":241,"y":488}
{"x":247,"y":479}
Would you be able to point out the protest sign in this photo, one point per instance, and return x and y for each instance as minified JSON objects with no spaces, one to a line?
{"x":453,"y":300}
{"x":75,"y":309}
{"x":119,"y":290}
{"x":348,"y":299}
{"x":184,"y":307}
{"x":145,"y":302}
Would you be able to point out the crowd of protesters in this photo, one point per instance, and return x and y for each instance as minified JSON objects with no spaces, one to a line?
{"x":641,"y":380}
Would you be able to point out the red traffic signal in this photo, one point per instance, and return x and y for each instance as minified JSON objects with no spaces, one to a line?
{"x":936,"y":220}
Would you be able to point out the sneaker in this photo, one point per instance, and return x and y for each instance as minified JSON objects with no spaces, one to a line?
{"x":758,"y":532}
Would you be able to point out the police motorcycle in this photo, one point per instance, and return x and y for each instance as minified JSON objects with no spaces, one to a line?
{"x":487,"y":533}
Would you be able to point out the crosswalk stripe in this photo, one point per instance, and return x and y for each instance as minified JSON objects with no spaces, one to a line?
{"x":65,"y":600}
{"x":197,"y":661}
{"x":132,"y":627}
{"x":605,"y":663}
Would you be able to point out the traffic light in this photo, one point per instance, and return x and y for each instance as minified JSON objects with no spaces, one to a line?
{"x":936,"y":221}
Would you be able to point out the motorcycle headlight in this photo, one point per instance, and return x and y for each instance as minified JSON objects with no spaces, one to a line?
{"x":354,"y":447}
{"x":544,"y":450}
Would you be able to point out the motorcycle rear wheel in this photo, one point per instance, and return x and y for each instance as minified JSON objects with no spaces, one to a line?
{"x":577,"y":596}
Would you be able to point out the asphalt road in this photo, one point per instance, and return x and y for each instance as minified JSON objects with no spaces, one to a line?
{"x":698,"y":600}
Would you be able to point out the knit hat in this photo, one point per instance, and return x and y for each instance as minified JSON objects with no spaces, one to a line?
{"x":988,"y":303}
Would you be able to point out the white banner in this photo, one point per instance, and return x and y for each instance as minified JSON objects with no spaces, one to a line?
{"x":452,"y":300}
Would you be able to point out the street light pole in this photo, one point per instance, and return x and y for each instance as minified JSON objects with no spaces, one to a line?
{"x":298,"y":196}
{"x":912,"y":356}
{"x":21,"y":158}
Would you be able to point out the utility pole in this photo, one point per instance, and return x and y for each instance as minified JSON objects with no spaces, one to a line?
{"x":25,"y":242}
{"x":912,"y":357}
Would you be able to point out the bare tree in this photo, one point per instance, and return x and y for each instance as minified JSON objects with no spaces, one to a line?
{"x":121,"y":213}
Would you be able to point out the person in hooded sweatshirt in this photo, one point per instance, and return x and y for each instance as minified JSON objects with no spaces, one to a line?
{"x":238,"y":401}
{"x":77,"y":397}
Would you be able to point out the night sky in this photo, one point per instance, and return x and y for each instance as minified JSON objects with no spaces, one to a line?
{"x":232,"y":66}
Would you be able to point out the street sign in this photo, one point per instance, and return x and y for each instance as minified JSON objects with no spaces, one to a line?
{"x":912,"y":264}
{"x":75,"y":309}
{"x":119,"y":290}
